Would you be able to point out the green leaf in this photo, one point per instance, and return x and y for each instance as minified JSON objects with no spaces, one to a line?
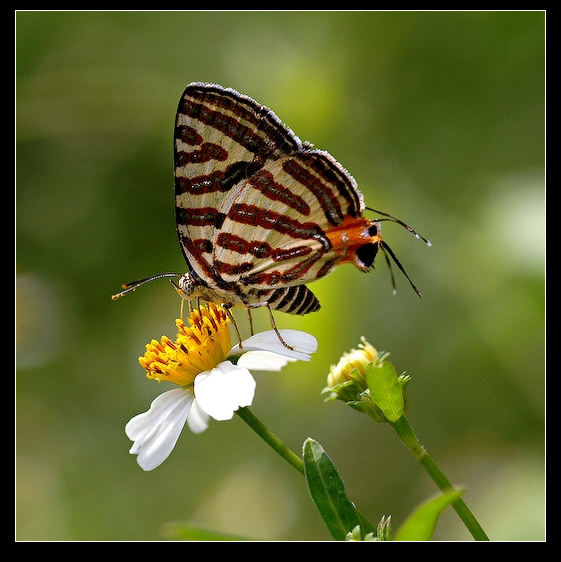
{"x":328,"y":492}
{"x":182,"y":531}
{"x":420,"y":525}
{"x":385,"y":390}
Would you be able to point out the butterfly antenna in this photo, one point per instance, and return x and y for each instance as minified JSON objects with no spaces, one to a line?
{"x":131,"y":287}
{"x":394,"y":286}
{"x":389,"y":251}
{"x":406,"y":226}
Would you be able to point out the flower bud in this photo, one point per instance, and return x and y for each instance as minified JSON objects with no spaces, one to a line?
{"x":347,"y":380}
{"x":356,"y":535}
{"x":355,"y":359}
{"x":366,"y":382}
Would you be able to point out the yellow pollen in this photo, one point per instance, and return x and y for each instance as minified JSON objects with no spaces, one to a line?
{"x":199,"y":347}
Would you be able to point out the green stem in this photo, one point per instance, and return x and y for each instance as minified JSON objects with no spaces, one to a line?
{"x":271,"y":439}
{"x":410,"y":440}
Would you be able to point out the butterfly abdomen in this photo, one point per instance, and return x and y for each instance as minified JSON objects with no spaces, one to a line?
{"x":294,"y":300}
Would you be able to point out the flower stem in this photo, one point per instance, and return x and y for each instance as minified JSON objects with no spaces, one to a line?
{"x":406,"y":434}
{"x":271,"y":439}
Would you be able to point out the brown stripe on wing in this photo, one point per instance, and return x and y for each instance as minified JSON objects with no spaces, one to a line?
{"x":188,"y":135}
{"x":208,"y":151}
{"x":264,"y":182}
{"x":202,"y":216}
{"x":260,"y":249}
{"x":218,"y":180}
{"x":300,"y":272}
{"x":234,"y":243}
{"x":252,"y":215}
{"x":222,"y":269}
{"x":198,"y":247}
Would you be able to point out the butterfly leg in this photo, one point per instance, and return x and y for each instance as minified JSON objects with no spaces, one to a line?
{"x":250,"y":319}
{"x":233,"y":320}
{"x":189,"y":306}
{"x":274,"y":327}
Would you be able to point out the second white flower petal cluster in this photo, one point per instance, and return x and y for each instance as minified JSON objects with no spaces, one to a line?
{"x":216,"y":393}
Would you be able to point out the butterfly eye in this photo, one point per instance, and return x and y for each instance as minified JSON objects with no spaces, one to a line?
{"x":367,"y":254}
{"x":186,"y":285}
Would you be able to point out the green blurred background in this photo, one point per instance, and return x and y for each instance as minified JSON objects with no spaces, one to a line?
{"x":440,"y":118}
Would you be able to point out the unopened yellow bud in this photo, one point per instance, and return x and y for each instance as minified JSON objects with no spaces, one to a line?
{"x":355,"y":360}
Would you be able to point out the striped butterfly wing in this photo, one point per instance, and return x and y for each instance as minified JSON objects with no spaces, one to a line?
{"x":289,"y":212}
{"x":286,"y":212}
{"x":221,"y":138}
{"x":256,"y":210}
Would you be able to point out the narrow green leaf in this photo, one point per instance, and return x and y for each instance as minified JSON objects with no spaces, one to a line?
{"x":328,"y":491}
{"x":420,"y":525}
{"x":385,"y":390}
{"x":182,"y":531}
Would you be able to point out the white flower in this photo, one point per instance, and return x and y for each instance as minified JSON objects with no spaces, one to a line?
{"x":216,"y":391}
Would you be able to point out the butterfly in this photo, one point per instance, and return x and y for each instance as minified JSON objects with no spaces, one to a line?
{"x":259,"y":213}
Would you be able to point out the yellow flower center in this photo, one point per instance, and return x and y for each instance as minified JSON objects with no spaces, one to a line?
{"x":199,"y":347}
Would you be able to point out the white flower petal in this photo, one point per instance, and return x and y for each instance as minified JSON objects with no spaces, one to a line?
{"x":156,"y":431}
{"x":304,"y":344}
{"x":263,"y":361}
{"x":198,"y":418}
{"x":224,"y":389}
